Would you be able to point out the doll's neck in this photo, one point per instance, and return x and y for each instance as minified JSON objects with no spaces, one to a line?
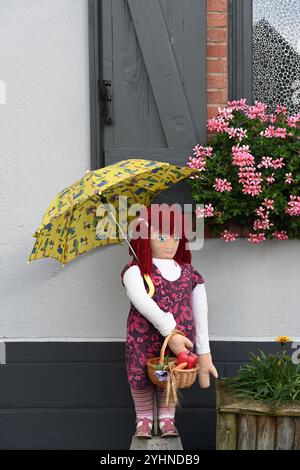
{"x":168,"y":268}
{"x":168,"y":263}
{"x":165,"y":261}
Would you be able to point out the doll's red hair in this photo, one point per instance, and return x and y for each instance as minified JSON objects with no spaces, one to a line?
{"x":177,"y":222}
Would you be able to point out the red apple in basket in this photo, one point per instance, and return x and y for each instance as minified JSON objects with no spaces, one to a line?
{"x":189,"y":357}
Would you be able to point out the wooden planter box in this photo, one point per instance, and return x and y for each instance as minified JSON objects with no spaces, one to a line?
{"x":250,"y":425}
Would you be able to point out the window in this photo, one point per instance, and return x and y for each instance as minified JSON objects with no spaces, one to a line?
{"x":264,"y":52}
{"x":276,"y":52}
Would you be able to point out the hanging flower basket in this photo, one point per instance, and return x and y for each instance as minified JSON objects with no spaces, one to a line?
{"x":248,"y":175}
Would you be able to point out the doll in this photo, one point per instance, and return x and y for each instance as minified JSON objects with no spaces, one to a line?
{"x":179,"y":302}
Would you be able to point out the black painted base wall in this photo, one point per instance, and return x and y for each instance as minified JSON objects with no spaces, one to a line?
{"x":75,"y":396}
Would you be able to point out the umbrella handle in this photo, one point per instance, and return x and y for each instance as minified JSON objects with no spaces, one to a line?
{"x":150,"y":284}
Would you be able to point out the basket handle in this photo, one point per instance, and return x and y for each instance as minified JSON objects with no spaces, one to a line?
{"x":165,"y":343}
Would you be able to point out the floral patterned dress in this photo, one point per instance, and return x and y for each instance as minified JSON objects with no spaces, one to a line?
{"x":143,"y":340}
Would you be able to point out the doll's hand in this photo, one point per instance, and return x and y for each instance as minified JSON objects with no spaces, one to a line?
{"x":178,"y":343}
{"x":206,"y":368}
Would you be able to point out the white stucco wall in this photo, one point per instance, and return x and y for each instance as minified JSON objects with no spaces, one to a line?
{"x":253,"y":291}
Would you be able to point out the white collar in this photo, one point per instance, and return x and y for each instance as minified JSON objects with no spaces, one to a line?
{"x":165,"y":261}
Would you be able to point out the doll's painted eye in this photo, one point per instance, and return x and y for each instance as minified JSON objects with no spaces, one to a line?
{"x":176,"y":237}
{"x":162,"y":238}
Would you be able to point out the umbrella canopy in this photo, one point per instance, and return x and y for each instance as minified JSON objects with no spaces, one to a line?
{"x":68,"y":227}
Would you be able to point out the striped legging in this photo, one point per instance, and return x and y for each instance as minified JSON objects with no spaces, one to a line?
{"x":143,"y":403}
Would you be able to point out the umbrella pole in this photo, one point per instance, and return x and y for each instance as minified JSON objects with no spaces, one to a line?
{"x":120,"y":230}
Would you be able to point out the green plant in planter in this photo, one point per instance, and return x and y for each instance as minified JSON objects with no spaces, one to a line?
{"x":249,"y":173}
{"x":272,"y":378}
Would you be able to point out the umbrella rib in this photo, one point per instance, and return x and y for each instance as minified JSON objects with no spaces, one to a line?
{"x":39,"y":245}
{"x":66,"y":242}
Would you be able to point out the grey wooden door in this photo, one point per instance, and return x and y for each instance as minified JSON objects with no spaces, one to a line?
{"x":153,"y":52}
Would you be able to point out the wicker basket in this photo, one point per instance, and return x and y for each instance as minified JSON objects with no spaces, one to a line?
{"x":184,"y":378}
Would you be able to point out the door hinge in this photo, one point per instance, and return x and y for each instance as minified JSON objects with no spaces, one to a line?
{"x":105,"y":98}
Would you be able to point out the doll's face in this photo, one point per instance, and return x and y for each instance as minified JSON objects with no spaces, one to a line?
{"x":163,"y":246}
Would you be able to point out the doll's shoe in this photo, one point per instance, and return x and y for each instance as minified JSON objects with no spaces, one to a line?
{"x":144,"y":428}
{"x":168,"y":428}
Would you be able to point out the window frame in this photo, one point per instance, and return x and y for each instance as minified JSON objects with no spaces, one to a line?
{"x":95,"y":79}
{"x":240,"y":50}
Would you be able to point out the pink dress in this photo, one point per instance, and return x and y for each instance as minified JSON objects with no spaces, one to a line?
{"x":143,"y":340}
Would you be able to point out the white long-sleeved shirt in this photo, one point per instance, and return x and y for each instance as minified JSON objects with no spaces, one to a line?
{"x":165,"y":321}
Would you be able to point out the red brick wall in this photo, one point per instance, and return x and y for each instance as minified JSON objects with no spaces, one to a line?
{"x":217,"y":55}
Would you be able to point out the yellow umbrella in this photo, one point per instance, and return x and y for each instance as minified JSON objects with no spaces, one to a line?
{"x":69,"y":225}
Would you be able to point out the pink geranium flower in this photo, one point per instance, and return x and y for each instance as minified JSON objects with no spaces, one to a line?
{"x":261,"y":211}
{"x":222,"y":185}
{"x":238,"y":104}
{"x":269,"y":162}
{"x":262,"y":224}
{"x":292,"y":121}
{"x":226,"y":113}
{"x":198,"y":163}
{"x":228,"y":236}
{"x":281,"y":109}
{"x":251,"y":180}
{"x":257,"y":111}
{"x":242,"y":155}
{"x":207,"y":211}
{"x":280,"y":235}
{"x":268,"y":203}
{"x":272,"y":118}
{"x":278,"y":163}
{"x":281,"y":132}
{"x":217,"y":125}
{"x":289,"y":178}
{"x":200,"y":151}
{"x":270,"y":179}
{"x":256,"y":237}
{"x":237,"y":133}
{"x":266,"y":162}
{"x":271,"y":131}
{"x":293,"y":206}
